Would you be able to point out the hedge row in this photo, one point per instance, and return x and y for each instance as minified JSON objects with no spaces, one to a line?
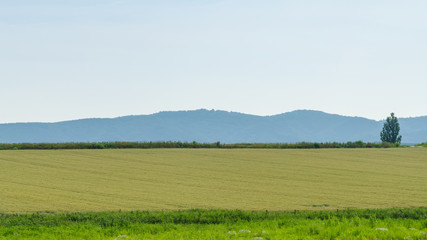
{"x":146,"y":145}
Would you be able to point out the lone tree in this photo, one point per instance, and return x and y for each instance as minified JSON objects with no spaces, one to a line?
{"x":390,"y":132}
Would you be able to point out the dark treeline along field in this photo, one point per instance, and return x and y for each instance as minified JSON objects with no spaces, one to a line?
{"x":201,"y":216}
{"x":143,"y":145}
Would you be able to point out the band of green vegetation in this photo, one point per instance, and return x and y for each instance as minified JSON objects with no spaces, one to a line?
{"x":201,"y":216}
{"x":219,"y":224}
{"x":147,"y":145}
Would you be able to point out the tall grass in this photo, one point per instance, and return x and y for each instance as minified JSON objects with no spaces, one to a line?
{"x":219,"y":224}
{"x":201,"y":216}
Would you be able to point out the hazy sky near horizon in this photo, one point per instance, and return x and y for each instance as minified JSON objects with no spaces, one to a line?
{"x":62,"y":60}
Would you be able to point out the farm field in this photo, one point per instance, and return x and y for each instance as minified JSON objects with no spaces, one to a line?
{"x":149,"y":194}
{"x":247,"y":179}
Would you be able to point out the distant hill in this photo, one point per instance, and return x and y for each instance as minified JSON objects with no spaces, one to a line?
{"x":211,"y":126}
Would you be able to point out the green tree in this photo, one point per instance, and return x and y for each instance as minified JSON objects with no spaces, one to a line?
{"x":390,"y":132}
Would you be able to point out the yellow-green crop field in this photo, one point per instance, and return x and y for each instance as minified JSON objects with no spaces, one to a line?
{"x":248,"y":179}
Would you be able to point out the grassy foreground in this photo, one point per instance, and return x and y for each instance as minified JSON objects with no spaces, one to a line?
{"x":247,"y":179}
{"x":219,"y":224}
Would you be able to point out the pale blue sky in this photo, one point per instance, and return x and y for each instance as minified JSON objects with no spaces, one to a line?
{"x":62,"y":60}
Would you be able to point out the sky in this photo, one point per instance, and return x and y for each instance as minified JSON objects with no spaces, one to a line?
{"x":63,"y":60}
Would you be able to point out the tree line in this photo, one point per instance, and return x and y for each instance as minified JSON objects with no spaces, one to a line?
{"x":148,"y":145}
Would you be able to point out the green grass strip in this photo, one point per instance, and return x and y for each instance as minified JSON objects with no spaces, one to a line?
{"x":219,"y":224}
{"x":199,"y":216}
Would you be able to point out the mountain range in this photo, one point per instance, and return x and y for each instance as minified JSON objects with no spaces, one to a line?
{"x":214,"y":125}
